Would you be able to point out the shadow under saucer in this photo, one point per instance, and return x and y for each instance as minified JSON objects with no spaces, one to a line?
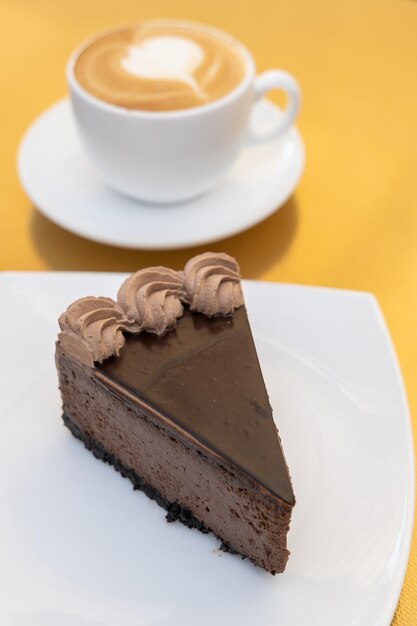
{"x":256,"y":249}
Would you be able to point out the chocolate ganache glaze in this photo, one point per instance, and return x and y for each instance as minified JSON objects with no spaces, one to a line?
{"x":198,"y":338}
{"x":177,"y":373}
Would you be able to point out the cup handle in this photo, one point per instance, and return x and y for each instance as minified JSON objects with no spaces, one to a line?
{"x":277,"y":79}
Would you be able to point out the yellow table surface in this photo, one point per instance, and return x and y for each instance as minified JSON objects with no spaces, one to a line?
{"x":352,"y":222}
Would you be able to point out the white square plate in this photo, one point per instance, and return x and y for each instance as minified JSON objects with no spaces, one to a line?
{"x":79,"y":548}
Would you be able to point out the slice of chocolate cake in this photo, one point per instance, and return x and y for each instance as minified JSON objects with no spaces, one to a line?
{"x":165,"y":385}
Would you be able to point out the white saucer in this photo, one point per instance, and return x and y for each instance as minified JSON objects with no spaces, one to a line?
{"x":65,"y":188}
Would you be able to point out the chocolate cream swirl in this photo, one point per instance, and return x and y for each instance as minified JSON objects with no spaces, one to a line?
{"x":212,"y":284}
{"x":91,"y":328}
{"x":152,"y":298}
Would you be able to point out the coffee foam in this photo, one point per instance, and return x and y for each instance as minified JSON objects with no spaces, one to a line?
{"x":158,"y":67}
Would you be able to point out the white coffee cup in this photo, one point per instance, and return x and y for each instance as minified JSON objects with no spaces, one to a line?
{"x":171,"y":156}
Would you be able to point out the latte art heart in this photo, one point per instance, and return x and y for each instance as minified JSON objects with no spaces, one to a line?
{"x":165,"y":57}
{"x":160,"y":66}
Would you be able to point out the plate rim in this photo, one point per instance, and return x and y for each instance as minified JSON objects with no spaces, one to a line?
{"x":411,"y":462}
{"x":268,"y":208}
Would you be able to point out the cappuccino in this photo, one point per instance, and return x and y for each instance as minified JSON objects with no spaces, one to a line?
{"x":160,"y":66}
